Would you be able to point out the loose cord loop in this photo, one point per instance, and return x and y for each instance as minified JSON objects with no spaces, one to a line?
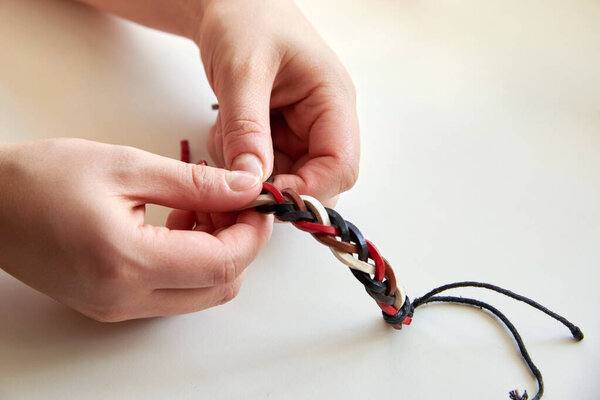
{"x":575,"y":331}
{"x":513,"y":395}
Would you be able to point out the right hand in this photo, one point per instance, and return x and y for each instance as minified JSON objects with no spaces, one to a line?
{"x":286,"y":103}
{"x":72,"y":226}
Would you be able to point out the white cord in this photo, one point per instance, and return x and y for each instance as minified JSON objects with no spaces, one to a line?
{"x":344,"y":257}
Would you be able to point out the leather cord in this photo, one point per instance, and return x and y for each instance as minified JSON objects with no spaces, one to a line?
{"x":375,"y":273}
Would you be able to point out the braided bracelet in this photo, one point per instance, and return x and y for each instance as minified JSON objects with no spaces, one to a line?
{"x":375,"y":273}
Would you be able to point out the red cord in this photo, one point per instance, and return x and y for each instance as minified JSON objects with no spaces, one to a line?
{"x":379,"y":263}
{"x":274,"y":191}
{"x":388,"y":309}
{"x":310,"y":227}
{"x":314,"y":228}
{"x":185,"y":151}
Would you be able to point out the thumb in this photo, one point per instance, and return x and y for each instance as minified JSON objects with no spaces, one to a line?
{"x":171,"y":183}
{"x":244,"y":121}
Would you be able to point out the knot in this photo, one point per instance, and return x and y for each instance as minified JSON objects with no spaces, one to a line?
{"x":403,"y":316}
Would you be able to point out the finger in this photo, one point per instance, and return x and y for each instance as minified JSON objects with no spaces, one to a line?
{"x":163,"y":302}
{"x":221,"y":221}
{"x":149,"y":178}
{"x":287,"y":141}
{"x":331,"y":165}
{"x":282,"y":163}
{"x":215,"y":222}
{"x":204,"y":222}
{"x":181,"y":220}
{"x":191,"y":259}
{"x":331,"y":202}
{"x":244,"y":93}
{"x":322,"y":177}
{"x":214,"y":143}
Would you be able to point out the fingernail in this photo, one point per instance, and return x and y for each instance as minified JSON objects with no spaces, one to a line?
{"x":249,"y":163}
{"x":240,"y":180}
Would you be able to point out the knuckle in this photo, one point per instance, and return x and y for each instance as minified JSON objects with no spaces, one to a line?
{"x":248,"y":65}
{"x":230,"y":291}
{"x":113,"y":274}
{"x":110,"y":274}
{"x":226,"y":273}
{"x":228,"y":60}
{"x":242,"y":135}
{"x":107,"y":310}
{"x":199,"y":177}
{"x":108,"y":315}
{"x":124,"y":161}
{"x":126,"y":155}
{"x":240,"y":127}
{"x":349,"y":176}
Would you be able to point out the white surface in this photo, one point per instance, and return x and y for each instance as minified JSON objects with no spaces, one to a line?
{"x":480,"y":130}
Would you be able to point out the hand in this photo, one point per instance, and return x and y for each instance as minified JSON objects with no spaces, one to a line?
{"x":286,"y":104}
{"x":72,"y":226}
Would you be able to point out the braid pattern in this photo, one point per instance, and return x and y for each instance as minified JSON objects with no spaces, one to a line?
{"x":347,"y":244}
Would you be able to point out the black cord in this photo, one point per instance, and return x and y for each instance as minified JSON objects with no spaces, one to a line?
{"x":514,"y":395}
{"x":463,"y":300}
{"x":575,"y":331}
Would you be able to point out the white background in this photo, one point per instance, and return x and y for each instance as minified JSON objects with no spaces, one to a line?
{"x":480,"y":160}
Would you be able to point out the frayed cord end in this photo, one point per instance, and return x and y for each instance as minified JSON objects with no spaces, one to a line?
{"x":514,"y":395}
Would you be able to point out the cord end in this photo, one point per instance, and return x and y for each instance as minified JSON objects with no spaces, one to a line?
{"x":577,"y":334}
{"x":514,"y":395}
{"x":185,"y":151}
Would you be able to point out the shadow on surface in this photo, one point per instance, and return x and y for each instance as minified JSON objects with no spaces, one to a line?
{"x":38,"y":333}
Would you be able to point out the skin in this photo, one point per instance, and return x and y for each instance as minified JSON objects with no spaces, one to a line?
{"x":81,"y":238}
{"x":286,"y":106}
